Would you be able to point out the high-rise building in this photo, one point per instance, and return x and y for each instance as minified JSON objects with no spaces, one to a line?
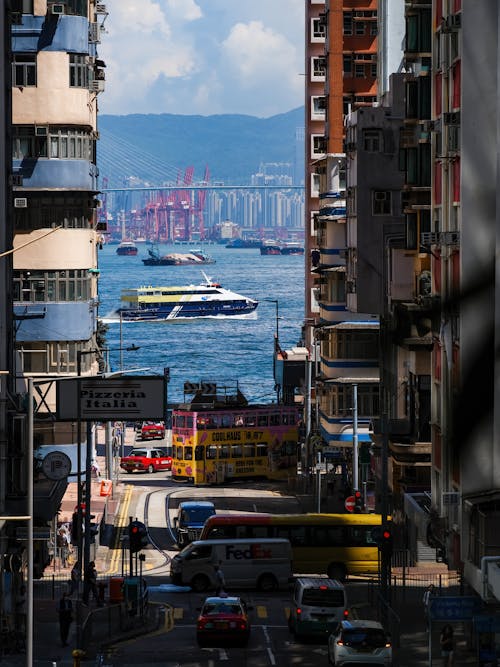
{"x":56,"y":80}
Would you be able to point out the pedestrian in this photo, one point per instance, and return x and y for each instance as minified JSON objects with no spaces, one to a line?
{"x":76,"y":575}
{"x":90,"y":584}
{"x":65,"y":617}
{"x":446,"y":642}
{"x":220,"y":582}
{"x":429,"y":592}
{"x":63,"y":543}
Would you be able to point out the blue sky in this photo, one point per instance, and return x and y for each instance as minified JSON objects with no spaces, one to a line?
{"x":203,"y":57}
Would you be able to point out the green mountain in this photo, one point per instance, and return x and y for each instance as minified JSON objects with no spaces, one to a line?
{"x":159,"y":148}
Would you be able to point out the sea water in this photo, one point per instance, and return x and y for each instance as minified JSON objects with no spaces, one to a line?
{"x":226,"y":351}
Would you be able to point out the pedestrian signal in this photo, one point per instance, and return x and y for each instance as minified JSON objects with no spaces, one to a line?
{"x":386,"y":543}
{"x":138,"y":536}
{"x":358,"y":501}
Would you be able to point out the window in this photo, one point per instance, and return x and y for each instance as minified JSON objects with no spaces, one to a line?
{"x":382,"y":202}
{"x":359,"y":28}
{"x":372,"y":141}
{"x":373,"y":29}
{"x":359,"y":70}
{"x":318,"y":68}
{"x":22,"y":6}
{"x":356,"y":344}
{"x":318,"y":145}
{"x":55,"y":143}
{"x":24,"y":70}
{"x":44,"y":286}
{"x":51,"y":357}
{"x":314,"y":185}
{"x":318,"y":105}
{"x":347,"y":23}
{"x":318,"y":30}
{"x":347,"y":65}
{"x":373,"y":70}
{"x":78,"y":71}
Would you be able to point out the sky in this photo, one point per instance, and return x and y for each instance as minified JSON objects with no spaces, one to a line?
{"x":203,"y":57}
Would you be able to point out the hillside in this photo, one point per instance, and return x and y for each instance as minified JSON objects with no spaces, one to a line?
{"x":154,"y":148}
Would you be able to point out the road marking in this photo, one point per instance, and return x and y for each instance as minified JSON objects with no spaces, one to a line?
{"x":178,"y":613}
{"x":261,"y":611}
{"x":271,"y":656}
{"x":120,"y":523}
{"x":223,"y":655}
{"x":287,"y":612}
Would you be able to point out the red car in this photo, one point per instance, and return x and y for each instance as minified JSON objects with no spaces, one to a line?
{"x":152,"y":431}
{"x":149,"y":460}
{"x":223,"y":620}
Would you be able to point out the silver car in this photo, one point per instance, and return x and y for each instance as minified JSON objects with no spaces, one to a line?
{"x":356,"y":642}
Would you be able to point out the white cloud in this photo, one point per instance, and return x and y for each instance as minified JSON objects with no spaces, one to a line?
{"x":203,"y":56}
{"x":188,"y":10}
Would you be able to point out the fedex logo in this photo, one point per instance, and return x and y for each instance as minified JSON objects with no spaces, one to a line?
{"x":253,"y":551}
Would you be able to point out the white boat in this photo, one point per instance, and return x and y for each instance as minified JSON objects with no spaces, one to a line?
{"x":208,"y":299}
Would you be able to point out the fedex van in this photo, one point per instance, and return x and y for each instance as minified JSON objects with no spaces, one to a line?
{"x":264,"y":564}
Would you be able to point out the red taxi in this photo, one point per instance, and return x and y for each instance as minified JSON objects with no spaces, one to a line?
{"x":149,"y":460}
{"x":223,"y":620}
{"x":152,"y":431}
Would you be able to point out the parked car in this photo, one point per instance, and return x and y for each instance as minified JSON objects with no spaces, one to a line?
{"x":359,"y":642}
{"x":223,"y":621}
{"x":143,"y":458}
{"x":318,"y":606}
{"x":152,"y":431}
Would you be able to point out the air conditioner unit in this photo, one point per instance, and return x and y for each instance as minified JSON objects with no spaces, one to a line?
{"x":96,"y":86}
{"x":57,"y":9}
{"x":428,"y":126}
{"x":101,"y":9}
{"x":41,"y":130}
{"x":20,"y":202}
{"x":94,"y":33}
{"x":452,"y":22}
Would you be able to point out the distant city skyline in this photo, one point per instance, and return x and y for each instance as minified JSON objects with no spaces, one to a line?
{"x":203,"y":57}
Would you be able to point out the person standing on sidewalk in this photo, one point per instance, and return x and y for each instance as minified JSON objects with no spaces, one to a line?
{"x":65,"y":617}
{"x":220,"y":581}
{"x":447,"y":644}
{"x":90,"y":584}
{"x":427,"y":601}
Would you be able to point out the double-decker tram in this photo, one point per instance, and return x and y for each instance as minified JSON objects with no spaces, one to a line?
{"x":216,"y":439}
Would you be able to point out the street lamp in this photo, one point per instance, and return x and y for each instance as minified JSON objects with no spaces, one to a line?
{"x":276,"y":346}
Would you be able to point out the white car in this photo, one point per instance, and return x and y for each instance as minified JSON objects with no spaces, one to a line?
{"x":357,"y":642}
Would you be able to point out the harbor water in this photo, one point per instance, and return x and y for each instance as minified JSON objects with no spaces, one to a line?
{"x":222,"y":350}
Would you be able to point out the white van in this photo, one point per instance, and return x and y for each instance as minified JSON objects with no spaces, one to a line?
{"x":265,"y":564}
{"x":318,"y":606}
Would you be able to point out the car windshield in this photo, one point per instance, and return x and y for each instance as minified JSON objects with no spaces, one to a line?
{"x":139,"y":452}
{"x":318,"y":597}
{"x":364,"y":637}
{"x":197,"y":514}
{"x":222,"y":608}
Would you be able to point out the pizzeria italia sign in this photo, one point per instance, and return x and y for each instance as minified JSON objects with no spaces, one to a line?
{"x":127,"y":398}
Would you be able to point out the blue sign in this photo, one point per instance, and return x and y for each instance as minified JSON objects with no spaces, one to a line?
{"x":454,"y":608}
{"x":483,"y":622}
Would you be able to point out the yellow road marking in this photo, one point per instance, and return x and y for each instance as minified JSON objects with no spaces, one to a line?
{"x":287,"y":612}
{"x":261,"y":611}
{"x":120,"y":524}
{"x":178,"y":613}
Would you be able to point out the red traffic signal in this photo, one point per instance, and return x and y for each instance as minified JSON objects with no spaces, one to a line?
{"x":138,"y":536}
{"x":358,"y":501}
{"x":386,"y":542}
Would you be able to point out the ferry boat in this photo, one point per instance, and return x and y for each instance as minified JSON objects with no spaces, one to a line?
{"x":208,"y":299}
{"x":127,"y":248}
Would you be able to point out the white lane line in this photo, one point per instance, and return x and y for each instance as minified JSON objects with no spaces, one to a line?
{"x":223,"y":655}
{"x":272,"y":659}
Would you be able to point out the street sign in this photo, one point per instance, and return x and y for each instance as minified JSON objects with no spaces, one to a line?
{"x":128,"y":398}
{"x":350,"y":503}
{"x":454,"y":608}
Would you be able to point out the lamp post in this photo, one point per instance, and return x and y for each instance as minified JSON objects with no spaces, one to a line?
{"x":276,"y":346}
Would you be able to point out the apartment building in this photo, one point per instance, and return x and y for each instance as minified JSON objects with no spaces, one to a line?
{"x":56,"y":79}
{"x":343,"y":343}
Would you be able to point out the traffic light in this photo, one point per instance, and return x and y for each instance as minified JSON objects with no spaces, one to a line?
{"x":386,"y":543}
{"x":138,"y":536}
{"x":358,"y":502}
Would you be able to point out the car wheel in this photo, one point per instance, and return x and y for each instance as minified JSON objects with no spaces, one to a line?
{"x":337,"y":571}
{"x":151,"y":468}
{"x":200,"y":583}
{"x":267,"y":583}
{"x":129,"y":472}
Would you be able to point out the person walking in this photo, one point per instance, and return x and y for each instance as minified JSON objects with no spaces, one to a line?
{"x":220,"y":581}
{"x":90,"y":584}
{"x":74,"y":582}
{"x":447,"y":644}
{"x":65,"y":617}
